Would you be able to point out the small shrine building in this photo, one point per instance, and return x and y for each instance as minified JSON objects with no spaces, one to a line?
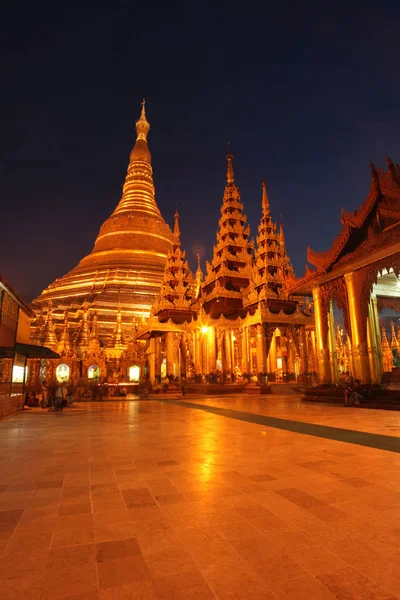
{"x":360,"y":274}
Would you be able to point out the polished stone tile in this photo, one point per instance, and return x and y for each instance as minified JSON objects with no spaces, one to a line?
{"x":173,"y":502}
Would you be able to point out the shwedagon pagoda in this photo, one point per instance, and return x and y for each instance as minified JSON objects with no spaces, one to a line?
{"x":132,"y":310}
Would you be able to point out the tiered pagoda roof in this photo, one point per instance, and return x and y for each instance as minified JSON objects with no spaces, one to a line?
{"x":230,"y":269}
{"x":176,"y":299}
{"x":271,"y":263}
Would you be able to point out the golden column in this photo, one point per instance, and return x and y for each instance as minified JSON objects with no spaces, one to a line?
{"x":261,"y":350}
{"x":332,"y":345}
{"x":272,"y":354}
{"x":157,"y":357}
{"x":204,"y":351}
{"x":321,"y":341}
{"x":376,"y":333}
{"x":358,"y":329}
{"x":197,"y":352}
{"x":303,"y":351}
{"x":152,"y":359}
{"x":245,"y":350}
{"x":228,"y":354}
{"x":211,"y":350}
{"x":372,"y":354}
{"x":169,"y":352}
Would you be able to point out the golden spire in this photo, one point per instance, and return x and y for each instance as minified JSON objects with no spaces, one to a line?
{"x":265,"y":201}
{"x":388,"y":361}
{"x":64,"y":345}
{"x":118,"y":340}
{"x":199,"y":275}
{"x":177,"y":233}
{"x":230,"y":175}
{"x":50,"y":337}
{"x":142,"y":124}
{"x":281,"y":236}
{"x":198,"y":262}
{"x":94,"y":333}
{"x":385,"y":343}
{"x":394,"y":341}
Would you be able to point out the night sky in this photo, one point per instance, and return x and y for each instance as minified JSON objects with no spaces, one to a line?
{"x":306,"y":92}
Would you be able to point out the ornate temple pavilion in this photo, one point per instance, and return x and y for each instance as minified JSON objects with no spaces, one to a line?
{"x":360,"y":273}
{"x":239,"y":320}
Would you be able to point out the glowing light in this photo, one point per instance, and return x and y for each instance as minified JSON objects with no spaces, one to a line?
{"x":18,"y":374}
{"x":204,"y":329}
{"x":134,"y":373}
{"x":93,"y":372}
{"x":62,"y":373}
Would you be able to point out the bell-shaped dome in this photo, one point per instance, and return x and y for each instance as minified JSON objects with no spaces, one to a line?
{"x":127,"y":262}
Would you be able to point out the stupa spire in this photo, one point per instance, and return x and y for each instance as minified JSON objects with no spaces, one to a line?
{"x":388,"y":362}
{"x":265,"y":201}
{"x":176,"y":293}
{"x":118,"y":338}
{"x":229,"y":270}
{"x":83,"y":333}
{"x":177,"y":233}
{"x":138,"y":193}
{"x":394,"y":343}
{"x":199,"y":274}
{"x":142,"y":124}
{"x":64,"y":345}
{"x":50,"y":337}
{"x":271,"y":265}
{"x":94,"y":332}
{"x":230,"y":174}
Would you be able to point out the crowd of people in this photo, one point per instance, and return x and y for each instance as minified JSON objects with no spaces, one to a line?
{"x":55,"y":396}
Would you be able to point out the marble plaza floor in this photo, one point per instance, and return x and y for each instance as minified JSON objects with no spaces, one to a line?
{"x":163,"y":499}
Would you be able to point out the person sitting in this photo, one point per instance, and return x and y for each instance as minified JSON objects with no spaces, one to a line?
{"x":60,"y":399}
{"x":31,"y":400}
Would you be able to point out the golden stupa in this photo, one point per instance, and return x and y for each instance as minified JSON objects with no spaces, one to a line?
{"x":121,"y":277}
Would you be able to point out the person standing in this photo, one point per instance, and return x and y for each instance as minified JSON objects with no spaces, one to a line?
{"x":45,"y":395}
{"x":183,"y":386}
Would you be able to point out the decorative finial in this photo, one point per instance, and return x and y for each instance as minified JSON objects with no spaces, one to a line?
{"x":391,"y":169}
{"x":198,"y":259}
{"x":230,"y":175}
{"x":265,"y":201}
{"x":142,"y":125}
{"x":281,"y":234}
{"x":177,"y":233}
{"x":375,"y":179}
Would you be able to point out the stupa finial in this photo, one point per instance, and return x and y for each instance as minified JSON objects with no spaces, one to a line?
{"x":265,"y":201}
{"x":142,"y":124}
{"x":177,"y":233}
{"x":230,"y":175}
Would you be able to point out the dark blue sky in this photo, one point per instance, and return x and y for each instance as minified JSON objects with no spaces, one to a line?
{"x":305,"y":92}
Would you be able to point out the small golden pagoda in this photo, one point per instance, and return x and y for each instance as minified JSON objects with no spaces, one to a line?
{"x":177,"y":293}
{"x":239,"y":322}
{"x":388,"y":362}
{"x":122,"y":275}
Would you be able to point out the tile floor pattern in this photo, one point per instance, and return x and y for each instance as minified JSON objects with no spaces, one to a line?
{"x":149,"y":501}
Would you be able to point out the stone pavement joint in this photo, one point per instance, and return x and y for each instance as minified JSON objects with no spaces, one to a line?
{"x":361,"y":438}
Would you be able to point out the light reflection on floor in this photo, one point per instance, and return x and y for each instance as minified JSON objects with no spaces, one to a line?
{"x":146,"y":500}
